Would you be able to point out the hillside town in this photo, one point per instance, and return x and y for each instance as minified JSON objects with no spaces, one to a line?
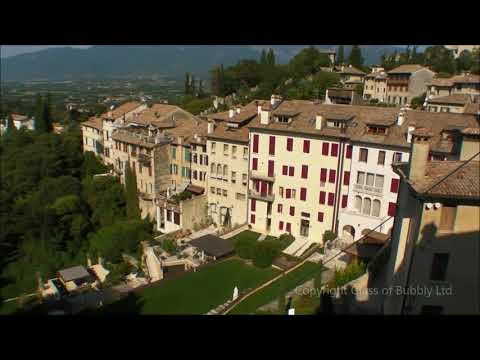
{"x":379,"y":178}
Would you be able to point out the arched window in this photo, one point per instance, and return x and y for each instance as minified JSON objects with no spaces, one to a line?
{"x":225,"y":170}
{"x":219,"y":169}
{"x":358,"y":203}
{"x":367,"y":204}
{"x":212,"y":168}
{"x":376,"y":208}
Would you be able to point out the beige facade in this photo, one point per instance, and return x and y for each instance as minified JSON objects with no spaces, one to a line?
{"x":406,"y":82}
{"x":436,"y":237}
{"x":92,"y":135}
{"x":375,"y":86}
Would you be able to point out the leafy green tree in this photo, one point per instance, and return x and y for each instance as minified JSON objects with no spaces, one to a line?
{"x":328,"y":236}
{"x":464,"y":61}
{"x":418,"y":101}
{"x":341,"y":55}
{"x":307,"y":62}
{"x":245,"y":247}
{"x":355,"y":58}
{"x":265,"y":252}
{"x":131,"y":193}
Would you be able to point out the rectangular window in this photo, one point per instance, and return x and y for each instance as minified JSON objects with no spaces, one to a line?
{"x":289,"y":144}
{"x":234,"y":177}
{"x":397,"y":157}
{"x":176,"y":218}
{"x":288,"y":193}
{"x":391,"y":208}
{"x":439,"y":267}
{"x":360,"y":178}
{"x":304,"y":171}
{"x":271,"y":145}
{"x":245,"y":153}
{"x":225,"y":149}
{"x":331,"y":199}
{"x":363,"y":155}
{"x":280,"y":190}
{"x":381,"y":158}
{"x":325,"y":147}
{"x":332,"y":175}
{"x":285,"y":170}
{"x":344,"y":201}
{"x":306,"y":146}
{"x":212,"y":190}
{"x":279,"y":208}
{"x":291,"y":171}
{"x":253,"y":204}
{"x":379,"y":181}
{"x":348,"y":153}
{"x":289,"y":227}
{"x":271,"y":165}
{"x":334,"y":151}
{"x":234,"y":152}
{"x":252,"y":218}
{"x":320,"y":216}
{"x":394,"y":186}
{"x":240,"y":196}
{"x":322,"y":197}
{"x":323,"y":175}
{"x":447,"y":218}
{"x":254,"y":163}
{"x":294,"y":192}
{"x":346,"y":178}
{"x":292,"y":211}
{"x":305,"y":214}
{"x":303,"y":194}
{"x":224,"y":192}
{"x":370,"y":179}
{"x":255,"y":144}
{"x":280,"y":225}
{"x":244,"y":179}
{"x":219,"y":191}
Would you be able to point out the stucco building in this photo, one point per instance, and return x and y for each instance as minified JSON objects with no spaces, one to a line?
{"x":459,"y":84}
{"x":455,"y":103}
{"x":375,"y":85}
{"x":406,"y":82}
{"x":436,"y":238}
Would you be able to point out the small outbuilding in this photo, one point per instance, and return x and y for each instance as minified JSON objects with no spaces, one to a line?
{"x":213,"y":246}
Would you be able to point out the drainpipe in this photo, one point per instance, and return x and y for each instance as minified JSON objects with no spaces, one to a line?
{"x":338,"y":186}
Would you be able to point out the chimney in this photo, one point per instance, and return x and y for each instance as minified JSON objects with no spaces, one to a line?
{"x":259,"y":108}
{"x":409,"y":133}
{"x":210,"y":127}
{"x":264,"y":116}
{"x":231,"y":113}
{"x":318,"y":122}
{"x":419,"y":154}
{"x":400,"y":117}
{"x":238,"y":109}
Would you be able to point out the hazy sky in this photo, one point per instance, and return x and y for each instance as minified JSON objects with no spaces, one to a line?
{"x":11,"y":50}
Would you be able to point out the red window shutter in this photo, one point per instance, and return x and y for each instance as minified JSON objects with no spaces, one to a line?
{"x":334,"y":150}
{"x":284,"y":170}
{"x":325,"y":147}
{"x":289,"y":144}
{"x":254,"y":164}
{"x":344,"y":201}
{"x":255,"y":143}
{"x":323,"y":175}
{"x":391,"y":209}
{"x":257,"y":185}
{"x":349,"y":152}
{"x":322,"y":197}
{"x":332,"y":175}
{"x":280,"y":225}
{"x":263,"y":190}
{"x":346,"y":178}
{"x":288,"y":193}
{"x":279,"y":208}
{"x":306,"y":146}
{"x":292,"y":210}
{"x":303,"y":194}
{"x":252,"y":219}
{"x":331,"y":199}
{"x":394,"y":186}
{"x":289,"y":227}
{"x":320,"y":216}
{"x":291,"y":171}
{"x":253,"y":204}
{"x":271,"y":145}
{"x":270,"y":167}
{"x":304,"y":171}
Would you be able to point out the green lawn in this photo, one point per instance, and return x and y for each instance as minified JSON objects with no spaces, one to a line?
{"x":245,"y":234}
{"x":297,"y":277}
{"x":194,"y":293}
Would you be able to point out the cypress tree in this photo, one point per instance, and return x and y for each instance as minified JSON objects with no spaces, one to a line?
{"x":341,"y":55}
{"x":263,"y":57}
{"x":270,"y":58}
{"x":355,"y":58}
{"x":10,"y":125}
{"x":192,"y":85}
{"x":47,"y":114}
{"x":131,"y":195}
{"x":39,"y":116}
{"x":187,"y":83}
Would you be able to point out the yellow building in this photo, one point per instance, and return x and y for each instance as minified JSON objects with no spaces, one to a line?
{"x":92,"y":134}
{"x":434,"y":263}
{"x":406,"y":82}
{"x":227,"y":146}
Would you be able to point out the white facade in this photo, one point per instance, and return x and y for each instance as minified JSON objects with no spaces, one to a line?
{"x":371,"y":182}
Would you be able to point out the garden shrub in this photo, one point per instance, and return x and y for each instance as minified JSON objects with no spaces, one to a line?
{"x":353,"y":270}
{"x":285,"y":240}
{"x":328,"y":235}
{"x":245,"y":247}
{"x":265,"y":252}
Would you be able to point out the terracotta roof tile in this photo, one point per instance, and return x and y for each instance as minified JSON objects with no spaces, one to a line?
{"x":94,"y":122}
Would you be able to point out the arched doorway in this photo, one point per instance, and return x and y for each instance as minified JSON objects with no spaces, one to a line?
{"x":348,"y":233}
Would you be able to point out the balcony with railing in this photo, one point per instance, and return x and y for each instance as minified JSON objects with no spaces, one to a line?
{"x":262,"y":196}
{"x":368,"y":189}
{"x":260,"y":175}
